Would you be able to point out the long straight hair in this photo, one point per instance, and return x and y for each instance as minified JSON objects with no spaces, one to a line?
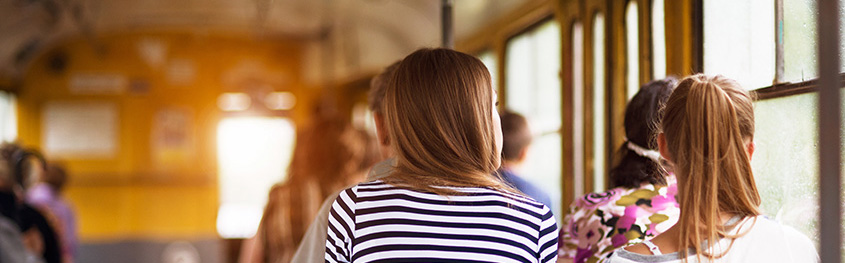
{"x":707,"y":122}
{"x":327,"y":154}
{"x":438,"y":110}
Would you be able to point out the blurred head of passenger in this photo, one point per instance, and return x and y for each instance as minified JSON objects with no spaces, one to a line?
{"x":25,"y":167}
{"x":638,"y":160}
{"x":440,"y":115}
{"x":328,"y":151}
{"x":378,"y":87}
{"x":707,"y":133}
{"x":55,"y":176}
{"x":516,"y":138}
{"x":7,"y":181}
{"x":370,"y":155}
{"x":328,"y":156}
{"x":8,"y":200}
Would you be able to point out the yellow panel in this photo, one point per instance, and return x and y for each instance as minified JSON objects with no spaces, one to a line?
{"x":142,"y":191}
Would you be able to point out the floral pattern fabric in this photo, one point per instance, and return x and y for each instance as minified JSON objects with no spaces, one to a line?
{"x":598,"y":223}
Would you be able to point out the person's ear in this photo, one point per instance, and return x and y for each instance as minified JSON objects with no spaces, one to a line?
{"x":663,"y":147}
{"x":749,"y":148}
{"x":522,"y":154}
{"x":381,"y":129}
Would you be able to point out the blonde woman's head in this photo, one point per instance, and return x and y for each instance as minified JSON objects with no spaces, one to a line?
{"x":708,"y":129}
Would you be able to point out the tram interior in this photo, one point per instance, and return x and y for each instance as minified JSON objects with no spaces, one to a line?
{"x":173,"y":119}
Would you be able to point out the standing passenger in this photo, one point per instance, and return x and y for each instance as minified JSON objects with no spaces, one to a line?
{"x":642,"y":202}
{"x":313,"y":245}
{"x":516,"y":138}
{"x":47,"y":195}
{"x":327,"y":157}
{"x":440,"y":203}
{"x":13,"y":247}
{"x":707,"y":134}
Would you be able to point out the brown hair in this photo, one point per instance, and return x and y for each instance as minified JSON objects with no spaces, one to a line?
{"x":707,"y":122}
{"x":515,"y":135}
{"x":326,"y":155}
{"x":378,"y":86}
{"x":55,"y":176}
{"x":439,"y":115}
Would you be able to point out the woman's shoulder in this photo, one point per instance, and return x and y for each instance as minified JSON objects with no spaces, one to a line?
{"x":594,"y":200}
{"x":770,"y":231}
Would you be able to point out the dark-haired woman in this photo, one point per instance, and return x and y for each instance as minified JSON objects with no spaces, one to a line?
{"x":641,"y":203}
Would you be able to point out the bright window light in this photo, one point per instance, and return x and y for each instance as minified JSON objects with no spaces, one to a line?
{"x":253,"y":154}
{"x":599,"y":160}
{"x":8,"y":117}
{"x":633,"y":49}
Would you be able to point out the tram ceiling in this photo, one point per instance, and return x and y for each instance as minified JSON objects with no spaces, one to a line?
{"x":28,"y":26}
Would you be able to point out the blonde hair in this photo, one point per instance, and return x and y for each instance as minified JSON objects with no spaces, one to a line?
{"x":438,"y":110}
{"x":707,"y":121}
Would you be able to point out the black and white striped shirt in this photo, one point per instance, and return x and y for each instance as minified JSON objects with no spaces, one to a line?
{"x":378,"y":222}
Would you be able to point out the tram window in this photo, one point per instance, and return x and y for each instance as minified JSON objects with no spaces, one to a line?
{"x":658,"y":34}
{"x":842,"y":52}
{"x":738,"y":40}
{"x":789,"y":191}
{"x":489,"y":59}
{"x":253,"y":154}
{"x":8,"y":117}
{"x":632,"y":37}
{"x":578,"y":109}
{"x":799,"y":40}
{"x":599,"y":159}
{"x":533,"y":90}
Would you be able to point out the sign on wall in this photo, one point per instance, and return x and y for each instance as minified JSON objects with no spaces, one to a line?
{"x":80,"y":129}
{"x":172,"y":137}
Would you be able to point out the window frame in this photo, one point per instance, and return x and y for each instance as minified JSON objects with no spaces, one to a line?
{"x":831,"y":249}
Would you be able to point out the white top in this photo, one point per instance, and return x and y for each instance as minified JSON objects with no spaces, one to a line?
{"x":765,"y":241}
{"x":378,"y":222}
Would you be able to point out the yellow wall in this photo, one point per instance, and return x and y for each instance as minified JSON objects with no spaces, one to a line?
{"x":131,"y":195}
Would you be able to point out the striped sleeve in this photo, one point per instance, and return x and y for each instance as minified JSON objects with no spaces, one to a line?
{"x":548,"y":237}
{"x":341,"y":226}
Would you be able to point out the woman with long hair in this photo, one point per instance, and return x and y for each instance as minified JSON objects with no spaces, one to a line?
{"x":442,"y":201}
{"x":641,"y":202}
{"x":707,"y":134}
{"x":328,"y":156}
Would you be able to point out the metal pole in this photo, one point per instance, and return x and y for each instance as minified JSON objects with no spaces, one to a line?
{"x":830,"y":123}
{"x":448,"y":37}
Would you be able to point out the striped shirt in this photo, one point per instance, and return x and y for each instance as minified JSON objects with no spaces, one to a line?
{"x":378,"y":222}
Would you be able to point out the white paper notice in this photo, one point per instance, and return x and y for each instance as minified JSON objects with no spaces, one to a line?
{"x":80,"y":129}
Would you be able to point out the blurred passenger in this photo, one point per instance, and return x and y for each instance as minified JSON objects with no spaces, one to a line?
{"x":440,"y":202}
{"x":641,"y":203}
{"x":516,"y":139}
{"x":46,"y":195}
{"x":12,"y":246}
{"x":38,"y":227}
{"x":313,"y":245}
{"x":327,"y":157}
{"x":707,"y":134}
